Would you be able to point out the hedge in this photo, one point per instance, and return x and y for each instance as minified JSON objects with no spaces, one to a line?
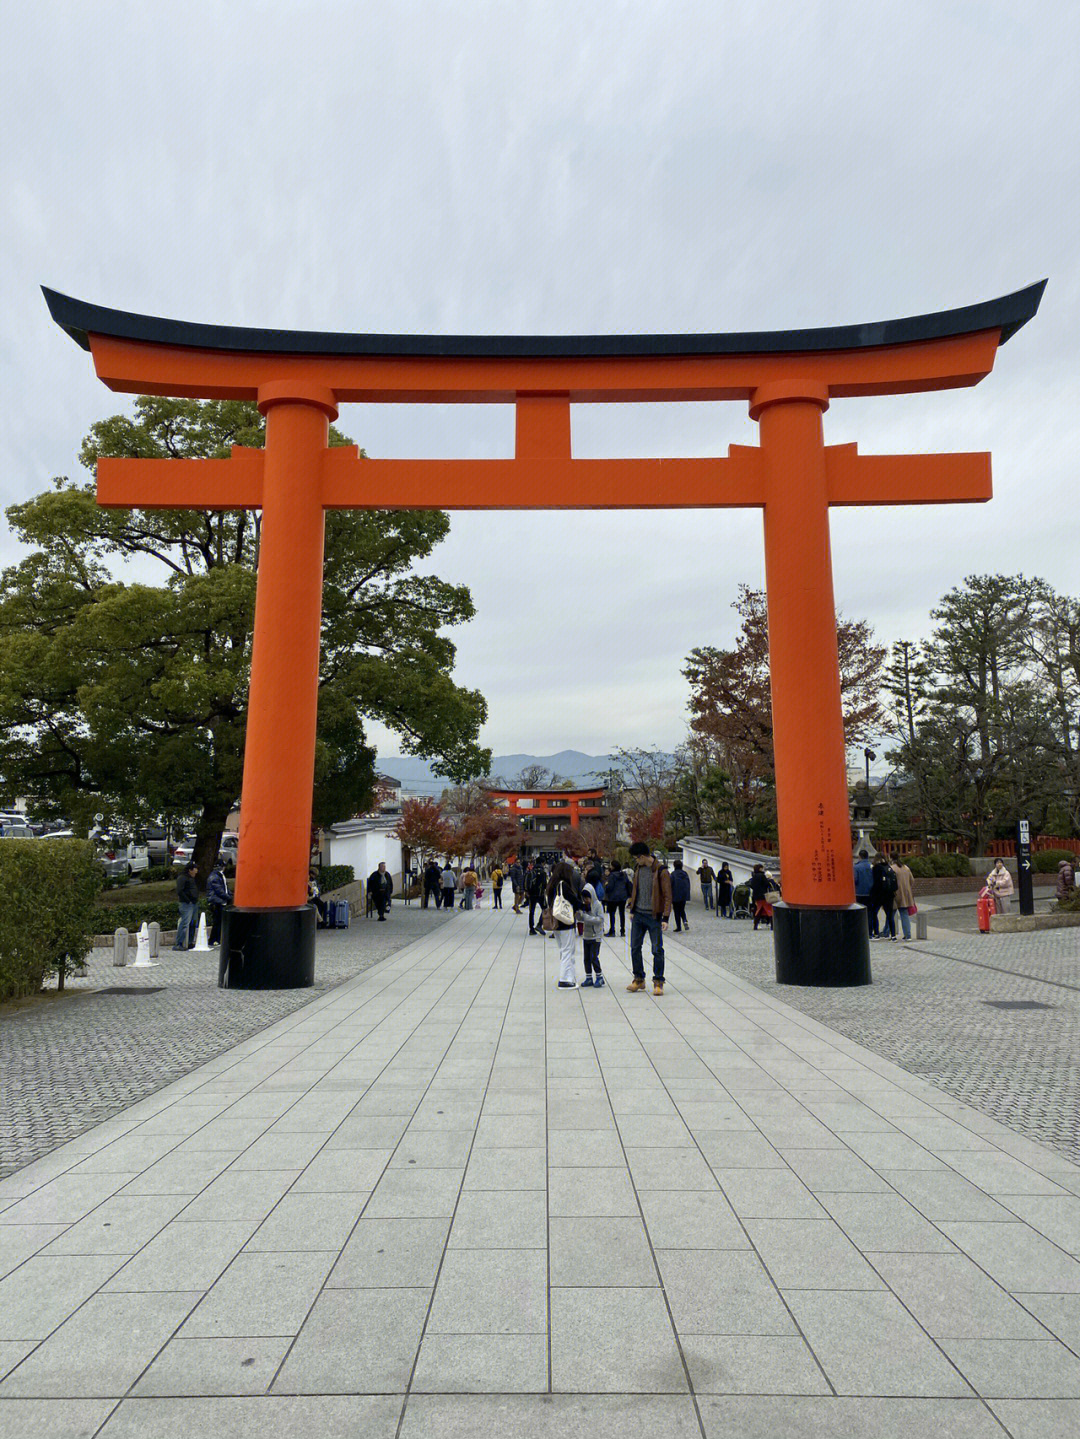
{"x":937,"y":866}
{"x":1046,"y":861}
{"x":333,"y":876}
{"x":46,"y":919}
{"x":157,"y":873}
{"x":108,"y":918}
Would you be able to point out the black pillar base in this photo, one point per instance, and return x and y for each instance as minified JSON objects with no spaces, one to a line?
{"x":267,"y":948}
{"x":828,"y":947}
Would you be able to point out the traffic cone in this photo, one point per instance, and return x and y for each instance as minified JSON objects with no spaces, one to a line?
{"x":142,"y":949}
{"x":202,"y":945}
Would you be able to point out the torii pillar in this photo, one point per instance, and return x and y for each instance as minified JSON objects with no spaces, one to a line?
{"x":299,"y":378}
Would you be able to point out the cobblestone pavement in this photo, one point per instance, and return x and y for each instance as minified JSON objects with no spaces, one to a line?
{"x":69,"y":1063}
{"x":931,"y":1009}
{"x":447,"y":1199}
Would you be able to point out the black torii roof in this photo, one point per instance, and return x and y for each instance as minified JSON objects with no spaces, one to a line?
{"x":81,"y":320}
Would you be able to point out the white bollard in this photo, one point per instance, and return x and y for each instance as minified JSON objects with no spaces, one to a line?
{"x":120,"y":946}
{"x":155,"y":938}
{"x":202,"y":944}
{"x":142,"y":948}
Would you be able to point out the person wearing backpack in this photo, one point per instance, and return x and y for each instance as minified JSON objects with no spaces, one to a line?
{"x":535,"y":884}
{"x":496,"y":888}
{"x":616,"y":893}
{"x":680,"y":894}
{"x":883,"y":897}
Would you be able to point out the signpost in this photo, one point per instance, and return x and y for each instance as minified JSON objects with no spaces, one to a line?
{"x":1023,"y":867}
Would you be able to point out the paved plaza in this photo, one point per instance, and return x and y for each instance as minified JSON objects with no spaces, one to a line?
{"x":446,"y":1199}
{"x":953,"y":1009}
{"x":120,"y":1034}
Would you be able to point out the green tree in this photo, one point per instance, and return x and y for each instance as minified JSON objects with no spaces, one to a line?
{"x":125,"y":640}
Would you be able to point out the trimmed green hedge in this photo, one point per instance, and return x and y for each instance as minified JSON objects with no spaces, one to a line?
{"x":108,"y":918}
{"x":937,"y":866}
{"x":46,"y":919}
{"x":333,"y":876}
{"x":1046,"y":861}
{"x":157,"y":873}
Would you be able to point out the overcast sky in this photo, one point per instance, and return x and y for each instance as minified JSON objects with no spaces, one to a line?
{"x":551,"y":168}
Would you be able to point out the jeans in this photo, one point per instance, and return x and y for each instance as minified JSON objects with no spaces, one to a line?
{"x":469,"y":896}
{"x":592,"y":955}
{"x":679,"y":906}
{"x":706,"y":894}
{"x":534,"y":904}
{"x":888,"y":926}
{"x":640,"y":926}
{"x":905,"y":921}
{"x":496,"y":898}
{"x":185,"y":930}
{"x":871,"y":912}
{"x":613,"y":906}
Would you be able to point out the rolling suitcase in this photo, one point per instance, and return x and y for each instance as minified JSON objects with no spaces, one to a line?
{"x":341,"y":918}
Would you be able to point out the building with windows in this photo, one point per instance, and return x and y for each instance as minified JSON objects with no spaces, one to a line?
{"x":543,"y":813}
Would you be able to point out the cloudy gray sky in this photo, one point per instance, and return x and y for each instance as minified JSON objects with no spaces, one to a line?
{"x":556,"y":167}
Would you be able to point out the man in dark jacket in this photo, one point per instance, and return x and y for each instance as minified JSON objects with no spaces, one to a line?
{"x":432,"y":884}
{"x":882,"y":896}
{"x":616,"y":893}
{"x":187,"y":892}
{"x":517,"y":884}
{"x":380,"y":888}
{"x":706,"y":875}
{"x":650,"y":905}
{"x":680,"y":893}
{"x":864,"y":884}
{"x":217,"y":897}
{"x":535,"y":885}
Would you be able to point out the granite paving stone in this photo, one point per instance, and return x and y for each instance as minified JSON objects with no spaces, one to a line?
{"x":491,"y":1291}
{"x":721,"y":1291}
{"x":867,"y":1343}
{"x":613,"y":1340}
{"x":373,"y":1332}
{"x":101,"y":1349}
{"x":186,"y":1254}
{"x":752,"y":1364}
{"x":1038,"y":1418}
{"x":261,"y":1294}
{"x":373,"y":1206}
{"x":213,"y":1366}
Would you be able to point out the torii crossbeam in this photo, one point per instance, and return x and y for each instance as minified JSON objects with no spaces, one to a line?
{"x":298,"y":379}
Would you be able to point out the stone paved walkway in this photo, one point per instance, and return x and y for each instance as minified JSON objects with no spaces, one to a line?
{"x":935,"y":1008}
{"x":69,"y":1063}
{"x":447,"y":1199}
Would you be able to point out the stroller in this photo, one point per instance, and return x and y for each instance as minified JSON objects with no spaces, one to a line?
{"x":745,"y":908}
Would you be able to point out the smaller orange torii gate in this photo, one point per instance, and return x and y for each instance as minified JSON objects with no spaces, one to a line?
{"x":299,"y":378}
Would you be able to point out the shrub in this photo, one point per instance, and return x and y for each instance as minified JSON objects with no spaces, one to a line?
{"x":46,"y":924}
{"x":108,"y":918}
{"x":937,"y":866}
{"x":333,"y":876}
{"x":157,"y":873}
{"x":1071,"y":905}
{"x":1046,"y":861}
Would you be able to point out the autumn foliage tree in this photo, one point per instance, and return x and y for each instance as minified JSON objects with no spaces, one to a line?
{"x":423,"y":828}
{"x":731,"y":707}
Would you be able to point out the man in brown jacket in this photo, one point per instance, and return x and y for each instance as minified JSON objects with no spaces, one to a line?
{"x":650,"y":905}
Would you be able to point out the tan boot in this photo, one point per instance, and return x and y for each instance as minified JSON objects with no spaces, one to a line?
{"x":657,"y":987}
{"x":636,"y":984}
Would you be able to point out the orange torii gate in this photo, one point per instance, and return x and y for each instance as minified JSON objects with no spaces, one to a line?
{"x":299,"y":378}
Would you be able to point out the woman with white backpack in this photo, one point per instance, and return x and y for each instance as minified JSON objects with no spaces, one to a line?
{"x":564,"y":901}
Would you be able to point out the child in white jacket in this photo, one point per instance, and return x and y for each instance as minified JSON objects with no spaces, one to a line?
{"x":592,"y":933}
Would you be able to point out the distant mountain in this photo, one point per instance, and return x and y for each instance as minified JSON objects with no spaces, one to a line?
{"x":416,"y":776}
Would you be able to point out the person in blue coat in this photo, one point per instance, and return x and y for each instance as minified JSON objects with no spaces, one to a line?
{"x":864,"y":889}
{"x":217,"y":897}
